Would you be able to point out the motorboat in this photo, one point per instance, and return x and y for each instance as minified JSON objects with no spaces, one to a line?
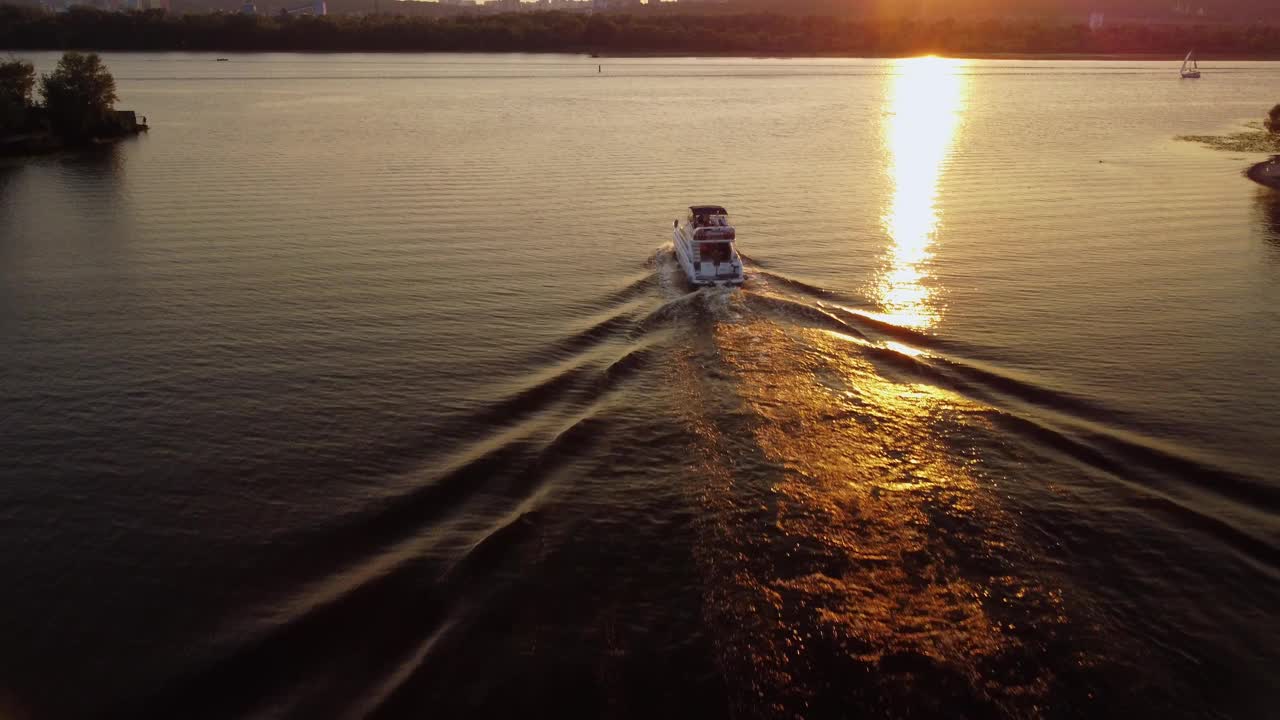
{"x":1190,"y":69}
{"x":705,"y":249}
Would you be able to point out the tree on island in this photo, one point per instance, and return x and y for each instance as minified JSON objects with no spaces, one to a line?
{"x":79,"y":96}
{"x":17,"y":79}
{"x":1273,"y":120}
{"x":78,"y":106}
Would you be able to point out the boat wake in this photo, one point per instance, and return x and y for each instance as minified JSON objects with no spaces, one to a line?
{"x":764,"y":501}
{"x":868,"y":517}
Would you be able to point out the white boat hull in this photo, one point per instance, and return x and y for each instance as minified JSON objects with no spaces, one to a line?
{"x":705,"y":273}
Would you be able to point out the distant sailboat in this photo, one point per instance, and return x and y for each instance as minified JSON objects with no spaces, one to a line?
{"x":1189,"y":67}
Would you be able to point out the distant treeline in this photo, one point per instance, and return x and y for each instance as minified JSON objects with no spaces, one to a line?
{"x":747,"y":34}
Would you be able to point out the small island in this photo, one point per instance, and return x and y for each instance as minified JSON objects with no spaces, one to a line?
{"x":1259,"y":138}
{"x":1268,"y":173}
{"x":77,"y":107}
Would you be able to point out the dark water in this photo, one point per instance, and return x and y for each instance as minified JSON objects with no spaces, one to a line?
{"x":367,"y":387}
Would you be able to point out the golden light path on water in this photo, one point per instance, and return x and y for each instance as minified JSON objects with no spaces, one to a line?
{"x":926,"y":99}
{"x":860,"y":537}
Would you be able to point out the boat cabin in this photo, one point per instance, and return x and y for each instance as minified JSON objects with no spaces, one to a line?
{"x":710,"y":223}
{"x":707,"y":216}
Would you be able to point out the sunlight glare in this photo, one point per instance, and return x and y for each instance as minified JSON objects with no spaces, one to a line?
{"x":926,"y":100}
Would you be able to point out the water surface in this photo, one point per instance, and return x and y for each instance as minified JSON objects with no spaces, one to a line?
{"x":367,"y":386}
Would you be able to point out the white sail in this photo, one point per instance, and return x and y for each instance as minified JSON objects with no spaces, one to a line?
{"x":1190,"y":68}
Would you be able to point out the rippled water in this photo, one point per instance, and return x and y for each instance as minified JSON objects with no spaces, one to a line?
{"x":367,"y":386}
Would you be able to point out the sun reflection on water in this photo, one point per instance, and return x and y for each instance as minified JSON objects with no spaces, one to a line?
{"x":926,"y":99}
{"x":864,"y":536}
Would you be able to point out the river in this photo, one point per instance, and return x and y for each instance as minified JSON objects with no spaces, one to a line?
{"x":367,"y":386}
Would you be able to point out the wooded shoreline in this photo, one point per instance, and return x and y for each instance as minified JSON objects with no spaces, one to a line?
{"x":739,"y":35}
